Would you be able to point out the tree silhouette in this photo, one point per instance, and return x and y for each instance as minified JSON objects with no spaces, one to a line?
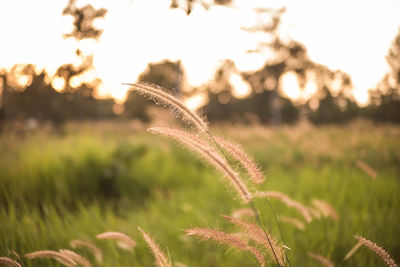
{"x":35,"y":98}
{"x":166,"y":74}
{"x":266,"y":101}
{"x":83,"y":20}
{"x":385,"y":98}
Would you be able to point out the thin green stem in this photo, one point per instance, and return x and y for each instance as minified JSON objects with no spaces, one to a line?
{"x":259,"y":220}
{"x":279,"y":229}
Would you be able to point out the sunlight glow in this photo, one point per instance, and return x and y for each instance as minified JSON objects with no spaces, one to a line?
{"x":58,"y":83}
{"x":194,"y":102}
{"x":242,"y":88}
{"x":143,"y":31}
{"x":290,"y":85}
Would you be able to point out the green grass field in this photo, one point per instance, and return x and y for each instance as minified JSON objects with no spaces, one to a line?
{"x":84,"y":179}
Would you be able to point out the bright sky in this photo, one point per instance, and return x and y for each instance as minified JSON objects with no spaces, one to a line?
{"x":353,"y":36}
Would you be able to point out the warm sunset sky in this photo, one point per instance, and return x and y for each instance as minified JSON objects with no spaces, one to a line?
{"x":353,"y":36}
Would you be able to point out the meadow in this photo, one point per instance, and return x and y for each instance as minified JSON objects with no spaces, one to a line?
{"x":57,"y":185}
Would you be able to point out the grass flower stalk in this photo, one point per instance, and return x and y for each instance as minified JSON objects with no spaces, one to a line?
{"x":207,"y":153}
{"x":161,"y":259}
{"x":60,"y":257}
{"x":383,"y":254}
{"x":76,"y":257}
{"x":321,"y":259}
{"x":124,"y":241}
{"x":161,"y":96}
{"x":9,"y":262}
{"x":231,"y":240}
{"x":98,"y":255}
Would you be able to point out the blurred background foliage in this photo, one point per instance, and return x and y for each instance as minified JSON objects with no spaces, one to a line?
{"x":28,"y":94}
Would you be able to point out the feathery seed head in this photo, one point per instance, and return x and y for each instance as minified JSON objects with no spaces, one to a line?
{"x":9,"y":262}
{"x":304,"y":211}
{"x":160,"y":257}
{"x":231,"y":240}
{"x":124,"y":241}
{"x":243,"y":158}
{"x":326,"y":209}
{"x":98,"y":255}
{"x":61,"y":258}
{"x":76,"y":257}
{"x":260,"y":236}
{"x":378,"y":250}
{"x":207,"y":153}
{"x":321,"y":259}
{"x":161,"y":96}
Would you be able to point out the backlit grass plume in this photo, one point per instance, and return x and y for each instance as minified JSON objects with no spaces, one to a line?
{"x":293,"y":221}
{"x":98,"y":255}
{"x":289,"y":202}
{"x":123,"y":241}
{"x":9,"y":262}
{"x":243,"y":212}
{"x":161,"y":96}
{"x":161,"y":259}
{"x":325,"y":208}
{"x":243,"y":158}
{"x":76,"y":257}
{"x":385,"y":256}
{"x":58,"y":256}
{"x":209,"y":154}
{"x":231,"y":240}
{"x":269,"y":243}
{"x":321,"y":259}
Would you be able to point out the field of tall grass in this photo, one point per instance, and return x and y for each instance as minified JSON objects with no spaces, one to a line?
{"x":84,"y":179}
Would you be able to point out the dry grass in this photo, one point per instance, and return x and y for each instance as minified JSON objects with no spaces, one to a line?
{"x":161,"y":259}
{"x":9,"y":262}
{"x":304,"y":211}
{"x":60,"y":257}
{"x":293,"y":221}
{"x":243,"y":158}
{"x":161,"y":96}
{"x":123,"y":241}
{"x":231,"y":240}
{"x":383,"y":254}
{"x":321,"y":259}
{"x":98,"y":255}
{"x":208,"y":154}
{"x":367,"y":169}
{"x":76,"y":257}
{"x":262,"y":237}
{"x":325,"y":208}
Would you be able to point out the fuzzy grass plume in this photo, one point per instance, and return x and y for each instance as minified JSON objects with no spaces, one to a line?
{"x":98,"y":255}
{"x":305,"y":212}
{"x":161,"y":259}
{"x":243,"y":212}
{"x":76,"y":257}
{"x":231,"y":240}
{"x":9,"y":262}
{"x":367,"y":169}
{"x":123,"y":241}
{"x":61,"y":258}
{"x":269,"y":243}
{"x":325,"y":208}
{"x":383,"y":254}
{"x":293,"y":221}
{"x":243,"y":158}
{"x":161,"y":96}
{"x":209,"y":154}
{"x":321,"y":259}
